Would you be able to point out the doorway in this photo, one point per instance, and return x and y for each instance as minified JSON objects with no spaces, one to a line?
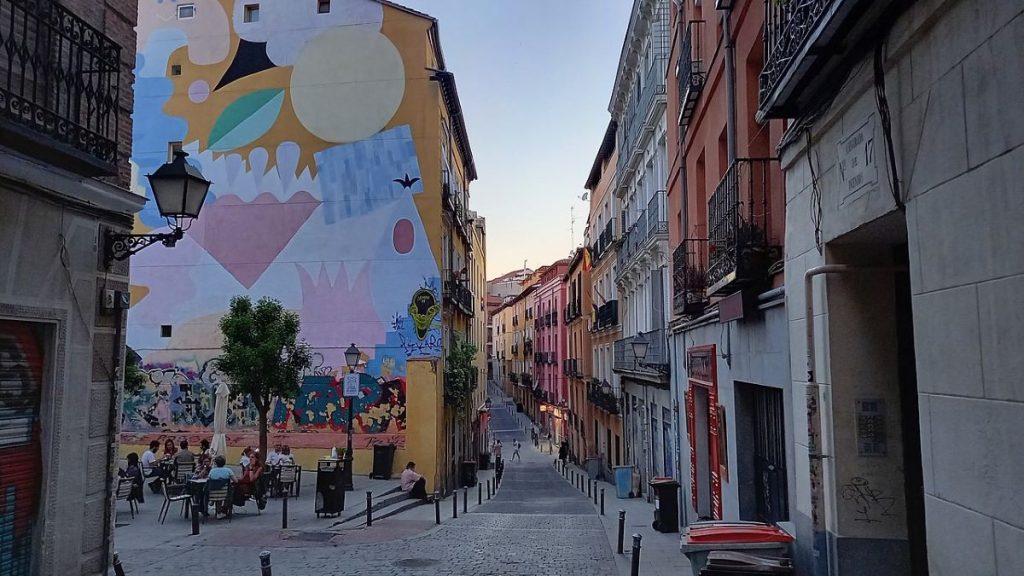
{"x":702,"y":450}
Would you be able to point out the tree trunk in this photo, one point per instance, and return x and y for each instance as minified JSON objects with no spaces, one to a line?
{"x":264,"y":410}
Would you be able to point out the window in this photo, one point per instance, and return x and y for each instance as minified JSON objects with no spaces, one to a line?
{"x":186,"y":11}
{"x":251,"y":13}
{"x":323,"y":7}
{"x":175,"y":69}
{"x":165,"y":331}
{"x":172,"y":147}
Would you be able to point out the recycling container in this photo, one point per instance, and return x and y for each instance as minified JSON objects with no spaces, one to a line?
{"x":756,"y":538}
{"x":330,"y":493}
{"x":666,"y":505}
{"x":593,"y":465}
{"x":383,"y":461}
{"x":623,"y":481}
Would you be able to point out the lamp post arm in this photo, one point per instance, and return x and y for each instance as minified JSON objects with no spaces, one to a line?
{"x":121,"y":246}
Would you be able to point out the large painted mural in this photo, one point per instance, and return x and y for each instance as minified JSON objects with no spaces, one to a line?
{"x":301,"y":119}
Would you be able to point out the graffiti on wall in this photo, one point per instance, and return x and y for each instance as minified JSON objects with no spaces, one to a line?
{"x":295,"y":118}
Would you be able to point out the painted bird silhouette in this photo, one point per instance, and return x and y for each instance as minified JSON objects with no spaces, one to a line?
{"x":406,"y":182}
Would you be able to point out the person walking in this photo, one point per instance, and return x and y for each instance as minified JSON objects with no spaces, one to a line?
{"x":515,"y":451}
{"x":497,"y":452}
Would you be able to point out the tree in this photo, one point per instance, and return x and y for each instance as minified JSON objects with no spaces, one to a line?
{"x":134,"y":378}
{"x":261,"y":355}
{"x":459,"y":374}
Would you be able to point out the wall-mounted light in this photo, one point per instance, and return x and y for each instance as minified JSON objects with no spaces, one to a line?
{"x":180,"y":191}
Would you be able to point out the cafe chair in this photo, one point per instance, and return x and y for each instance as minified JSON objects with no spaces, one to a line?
{"x":286,"y":478}
{"x":185,"y":499}
{"x":219,"y":494}
{"x":185,"y":471}
{"x":124,"y":492}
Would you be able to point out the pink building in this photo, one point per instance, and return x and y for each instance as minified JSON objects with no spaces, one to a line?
{"x":550,"y":335}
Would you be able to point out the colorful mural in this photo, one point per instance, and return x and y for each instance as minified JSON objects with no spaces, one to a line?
{"x":296,"y":117}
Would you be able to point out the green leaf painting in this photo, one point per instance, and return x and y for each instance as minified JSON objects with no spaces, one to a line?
{"x":246,"y":119}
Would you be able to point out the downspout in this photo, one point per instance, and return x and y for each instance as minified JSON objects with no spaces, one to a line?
{"x":815,"y":454}
{"x":112,"y":424}
{"x":677,"y":437}
{"x":730,"y":85}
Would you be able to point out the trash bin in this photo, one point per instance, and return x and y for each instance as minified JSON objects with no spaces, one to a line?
{"x":593,"y":467}
{"x":623,"y":481}
{"x":519,"y":406}
{"x":666,"y":505}
{"x":485,"y":460}
{"x":729,"y":563}
{"x":330,"y":494}
{"x":383,"y":460}
{"x":756,"y":538}
{"x":469,"y":474}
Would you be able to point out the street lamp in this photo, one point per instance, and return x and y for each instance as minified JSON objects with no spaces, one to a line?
{"x":640,"y":345}
{"x":352,"y":359}
{"x":180,"y":190}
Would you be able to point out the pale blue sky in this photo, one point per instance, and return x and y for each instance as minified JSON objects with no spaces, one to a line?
{"x":534,"y":77}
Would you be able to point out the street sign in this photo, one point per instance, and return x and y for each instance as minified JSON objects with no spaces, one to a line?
{"x":351,"y":385}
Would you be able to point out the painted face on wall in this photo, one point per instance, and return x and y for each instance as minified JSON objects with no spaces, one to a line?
{"x":423,"y":310}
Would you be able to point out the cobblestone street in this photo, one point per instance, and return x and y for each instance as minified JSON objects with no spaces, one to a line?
{"x":536,"y":524}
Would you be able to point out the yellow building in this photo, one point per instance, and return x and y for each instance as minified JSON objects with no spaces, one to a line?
{"x":341,"y":166}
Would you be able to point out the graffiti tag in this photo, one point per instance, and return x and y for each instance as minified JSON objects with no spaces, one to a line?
{"x":871,"y":504}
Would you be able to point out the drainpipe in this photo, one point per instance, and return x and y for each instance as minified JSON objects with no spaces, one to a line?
{"x":677,"y":437}
{"x":730,"y":85}
{"x":814,"y":413}
{"x":112,"y":426}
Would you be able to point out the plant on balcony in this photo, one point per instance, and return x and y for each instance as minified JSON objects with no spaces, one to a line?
{"x":458,"y":374}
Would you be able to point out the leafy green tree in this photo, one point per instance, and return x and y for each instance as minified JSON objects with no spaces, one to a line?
{"x":262,"y":355}
{"x":459,"y":373}
{"x":134,"y":377}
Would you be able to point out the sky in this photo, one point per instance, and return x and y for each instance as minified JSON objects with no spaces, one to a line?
{"x":534,"y":78}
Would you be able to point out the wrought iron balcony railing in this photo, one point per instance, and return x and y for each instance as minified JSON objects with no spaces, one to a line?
{"x":652,"y":224}
{"x":739,"y":252}
{"x":599,"y":397}
{"x":607,"y":315}
{"x":801,"y":62}
{"x":656,"y":362}
{"x":689,"y":277}
{"x":526,"y":379}
{"x":691,"y":70}
{"x":603,"y":242}
{"x":59,"y":87}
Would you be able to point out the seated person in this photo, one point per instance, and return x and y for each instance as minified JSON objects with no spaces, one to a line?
{"x":414,"y":483}
{"x":204,"y":446}
{"x":203,"y":465}
{"x":218,"y":476}
{"x":133,"y":470}
{"x":286,"y":458}
{"x":249,"y":484}
{"x":169,"y":449}
{"x":246,"y":456}
{"x":151,"y":466}
{"x":274,"y":457}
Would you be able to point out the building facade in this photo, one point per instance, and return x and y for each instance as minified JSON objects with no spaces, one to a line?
{"x":65,"y":136}
{"x":903,"y":184}
{"x":604,"y":391}
{"x":577,"y":366}
{"x":730,"y":332}
{"x":372,"y":253}
{"x":642,"y":260}
{"x":552,"y":384}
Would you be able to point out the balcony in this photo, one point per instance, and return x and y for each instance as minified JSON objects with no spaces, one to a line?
{"x":689,"y":277}
{"x":802,"y":65}
{"x":691,"y":70}
{"x":454,"y":291}
{"x":654,"y":366}
{"x":572,"y":312}
{"x":526,"y":379}
{"x":603,"y":243}
{"x":607,"y":316}
{"x":513,"y":378}
{"x":651,"y":225}
{"x":515,"y":349}
{"x":739,"y":253}
{"x":59,"y":87}
{"x":603,"y":396}
{"x":639,"y":119}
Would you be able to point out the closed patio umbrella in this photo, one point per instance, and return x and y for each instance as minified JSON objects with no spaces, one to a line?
{"x":219,"y":445}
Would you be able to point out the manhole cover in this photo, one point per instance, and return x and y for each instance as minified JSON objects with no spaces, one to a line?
{"x":417,"y":563}
{"x":314,"y":536}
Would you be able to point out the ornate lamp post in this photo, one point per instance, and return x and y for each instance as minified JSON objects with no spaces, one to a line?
{"x":352,"y":359}
{"x":180,"y":190}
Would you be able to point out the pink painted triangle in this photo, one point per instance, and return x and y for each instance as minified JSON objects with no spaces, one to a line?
{"x":246,"y":237}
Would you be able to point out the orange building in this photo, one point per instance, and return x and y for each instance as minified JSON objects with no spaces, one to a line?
{"x":577,"y":365}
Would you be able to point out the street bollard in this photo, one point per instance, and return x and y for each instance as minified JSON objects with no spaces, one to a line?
{"x":455,"y":504}
{"x":622,"y":528}
{"x":465,"y":500}
{"x":488,"y":489}
{"x":265,"y":564}
{"x":369,"y":508}
{"x":588,"y":488}
{"x":602,"y":501}
{"x":195,"y":519}
{"x":479,"y":493}
{"x":634,"y":565}
{"x":437,"y":508}
{"x":595,"y":492}
{"x":118,"y":569}
{"x":284,"y":510}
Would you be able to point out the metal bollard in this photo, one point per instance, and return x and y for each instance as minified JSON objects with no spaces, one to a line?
{"x":634,"y":565}
{"x":284,"y":510}
{"x":588,"y":488}
{"x":437,"y":508}
{"x":602,"y":501}
{"x":622,"y":528}
{"x":265,"y":564}
{"x":195,"y":518}
{"x":369,"y":508}
{"x":455,"y":504}
{"x":488,"y":489}
{"x":595,"y":492}
{"x":465,"y":500}
{"x":118,"y":569}
{"x":479,"y":493}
